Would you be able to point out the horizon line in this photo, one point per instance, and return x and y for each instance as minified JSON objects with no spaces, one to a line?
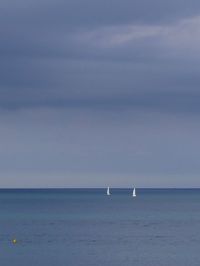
{"x":50,"y":188}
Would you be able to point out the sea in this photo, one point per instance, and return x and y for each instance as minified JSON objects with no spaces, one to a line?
{"x":85,"y":227}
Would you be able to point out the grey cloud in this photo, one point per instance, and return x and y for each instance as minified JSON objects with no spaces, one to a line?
{"x":97,"y":12}
{"x":95,"y":91}
{"x":77,"y":143}
{"x":100,"y":85}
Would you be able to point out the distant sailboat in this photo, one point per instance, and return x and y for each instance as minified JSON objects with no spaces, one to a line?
{"x":108,"y":191}
{"x":134,"y":193}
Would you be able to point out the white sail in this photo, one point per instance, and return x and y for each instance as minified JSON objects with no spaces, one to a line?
{"x":134,"y":192}
{"x":108,"y":191}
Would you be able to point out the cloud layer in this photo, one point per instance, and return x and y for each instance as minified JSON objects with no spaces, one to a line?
{"x":97,"y":92}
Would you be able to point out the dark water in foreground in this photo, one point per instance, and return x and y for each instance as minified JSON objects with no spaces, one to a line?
{"x":86,"y":227}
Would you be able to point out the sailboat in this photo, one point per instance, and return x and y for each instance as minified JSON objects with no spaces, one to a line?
{"x":108,"y":191}
{"x":134,"y":193}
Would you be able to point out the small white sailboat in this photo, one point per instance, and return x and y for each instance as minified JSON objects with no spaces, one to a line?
{"x":134,"y":193}
{"x":108,"y":191}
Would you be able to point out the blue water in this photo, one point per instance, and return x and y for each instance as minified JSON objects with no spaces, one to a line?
{"x":85,"y":227}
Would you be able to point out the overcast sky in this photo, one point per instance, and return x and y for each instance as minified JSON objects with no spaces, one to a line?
{"x":96,"y":93}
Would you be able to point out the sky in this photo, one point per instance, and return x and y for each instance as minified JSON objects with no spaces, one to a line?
{"x":99,"y":93}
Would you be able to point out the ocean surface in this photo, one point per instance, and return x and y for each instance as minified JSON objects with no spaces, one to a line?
{"x":84,"y":227}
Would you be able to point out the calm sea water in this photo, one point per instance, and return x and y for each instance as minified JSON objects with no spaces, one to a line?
{"x":85,"y":227}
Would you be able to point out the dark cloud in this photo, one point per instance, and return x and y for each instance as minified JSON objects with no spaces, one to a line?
{"x":76,"y":12}
{"x":99,"y":85}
